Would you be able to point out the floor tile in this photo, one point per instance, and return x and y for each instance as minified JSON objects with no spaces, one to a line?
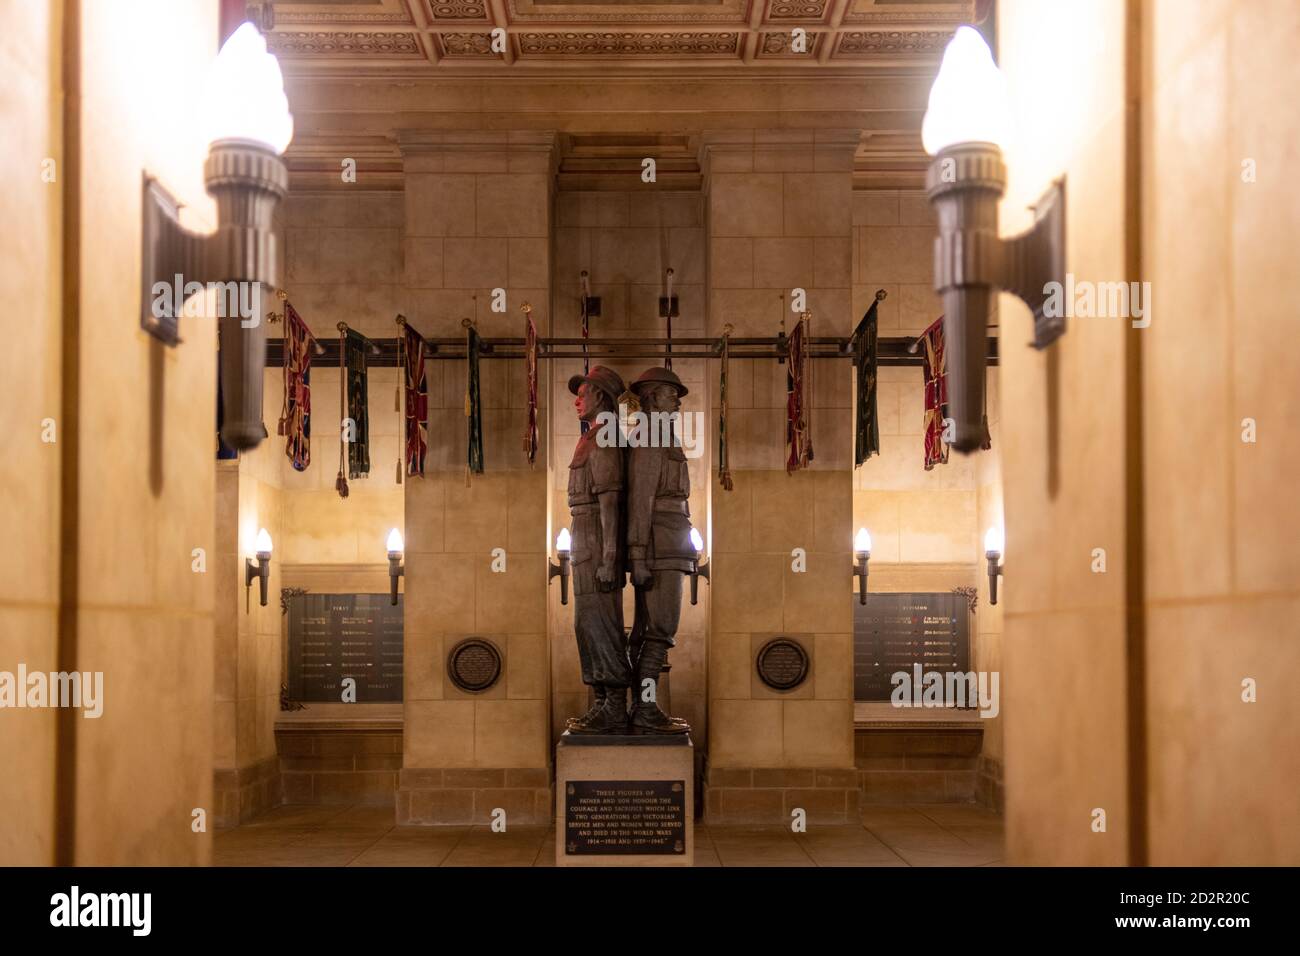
{"x":518,"y":846}
{"x":366,"y":816}
{"x":295,"y":815}
{"x":941,"y":835}
{"x":958,"y":814}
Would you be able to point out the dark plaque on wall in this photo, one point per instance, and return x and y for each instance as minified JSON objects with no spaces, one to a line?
{"x":895,"y":632}
{"x":625,"y":817}
{"x":782,"y":664}
{"x":333,"y":636}
{"x":474,"y":664}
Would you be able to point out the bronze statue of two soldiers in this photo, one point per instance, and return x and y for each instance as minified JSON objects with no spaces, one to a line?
{"x":627,"y":497}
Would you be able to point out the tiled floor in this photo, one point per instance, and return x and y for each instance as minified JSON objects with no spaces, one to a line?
{"x":931,"y":835}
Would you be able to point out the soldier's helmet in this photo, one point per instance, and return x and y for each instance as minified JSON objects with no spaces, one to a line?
{"x":658,"y":376}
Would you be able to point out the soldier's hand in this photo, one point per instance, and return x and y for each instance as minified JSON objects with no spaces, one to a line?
{"x":605,"y":576}
{"x":641,"y":574}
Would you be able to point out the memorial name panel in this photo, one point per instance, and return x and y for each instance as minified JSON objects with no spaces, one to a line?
{"x":893,"y":632}
{"x":333,"y":636}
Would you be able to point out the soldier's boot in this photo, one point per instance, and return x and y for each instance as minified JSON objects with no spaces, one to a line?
{"x":646,"y":717}
{"x":598,"y":691}
{"x":609,"y":718}
{"x":640,"y":684}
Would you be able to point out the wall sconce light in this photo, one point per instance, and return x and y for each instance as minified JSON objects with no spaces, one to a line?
{"x":698,"y":569}
{"x":966,"y":125}
{"x":395,"y":569}
{"x":563,"y":542}
{"x":862,"y":554}
{"x":261,"y":570}
{"x":993,"y":545}
{"x":249,"y":123}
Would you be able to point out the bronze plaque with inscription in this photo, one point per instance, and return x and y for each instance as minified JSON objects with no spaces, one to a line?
{"x":625,"y":817}
{"x":474,"y":664}
{"x":782,"y":664}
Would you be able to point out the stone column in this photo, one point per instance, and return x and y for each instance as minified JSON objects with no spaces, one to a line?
{"x":478,"y":218}
{"x":778,"y":213}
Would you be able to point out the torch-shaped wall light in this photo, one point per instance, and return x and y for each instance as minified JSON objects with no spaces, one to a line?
{"x":262,"y":569}
{"x":563,"y":542}
{"x":249,"y":124}
{"x":395,"y":569}
{"x":967,"y":124}
{"x":862,"y":555}
{"x":700,"y":568}
{"x":993,"y":545}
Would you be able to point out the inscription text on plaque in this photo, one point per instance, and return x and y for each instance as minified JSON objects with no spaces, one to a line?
{"x":625,"y":817}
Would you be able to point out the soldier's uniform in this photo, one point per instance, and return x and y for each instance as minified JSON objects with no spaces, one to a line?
{"x":598,"y":470}
{"x":659,"y":533}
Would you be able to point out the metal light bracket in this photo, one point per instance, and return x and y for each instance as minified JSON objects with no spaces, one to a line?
{"x":971,"y":263}
{"x":560,"y":571}
{"x":260,"y":571}
{"x":699,"y":571}
{"x":395,"y":571}
{"x":860,"y":563}
{"x":995,"y":571}
{"x":247,"y":180}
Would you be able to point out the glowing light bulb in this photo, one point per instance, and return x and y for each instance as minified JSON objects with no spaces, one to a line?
{"x":969,"y":101}
{"x":696,"y":541}
{"x":862,"y":541}
{"x":993,"y":541}
{"x":244,"y":96}
{"x":263,"y":543}
{"x":394,"y":541}
{"x":563,"y":541}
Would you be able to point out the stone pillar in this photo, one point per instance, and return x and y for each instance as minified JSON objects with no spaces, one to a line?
{"x":778,"y":213}
{"x":478,"y":218}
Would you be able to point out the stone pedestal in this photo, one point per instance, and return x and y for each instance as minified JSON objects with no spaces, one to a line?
{"x":624,"y":801}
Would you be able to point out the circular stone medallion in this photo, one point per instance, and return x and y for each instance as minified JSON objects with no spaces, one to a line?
{"x":474,"y":664}
{"x":782,"y":664}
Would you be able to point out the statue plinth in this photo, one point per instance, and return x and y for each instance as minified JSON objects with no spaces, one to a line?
{"x":624,"y":800}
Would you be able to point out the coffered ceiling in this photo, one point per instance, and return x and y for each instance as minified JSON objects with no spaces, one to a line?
{"x":424,"y":35}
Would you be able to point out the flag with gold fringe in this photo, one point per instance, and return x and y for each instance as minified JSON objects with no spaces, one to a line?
{"x":295,"y":411}
{"x":724,"y":461}
{"x":358,"y":391}
{"x":473,"y":405}
{"x":417,"y":401}
{"x":866,"y":439}
{"x":530,"y":371}
{"x":798,"y":430}
{"x":934,"y":357}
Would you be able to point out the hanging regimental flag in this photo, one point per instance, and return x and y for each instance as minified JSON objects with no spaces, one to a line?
{"x":935,"y":359}
{"x":473,"y":406}
{"x":530,"y":370}
{"x":866,"y":439}
{"x":295,"y":413}
{"x":724,"y":460}
{"x":358,"y":410}
{"x":798,"y":430}
{"x":417,"y":402}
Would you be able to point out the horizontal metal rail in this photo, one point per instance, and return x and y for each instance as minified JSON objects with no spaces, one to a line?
{"x":890,"y":351}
